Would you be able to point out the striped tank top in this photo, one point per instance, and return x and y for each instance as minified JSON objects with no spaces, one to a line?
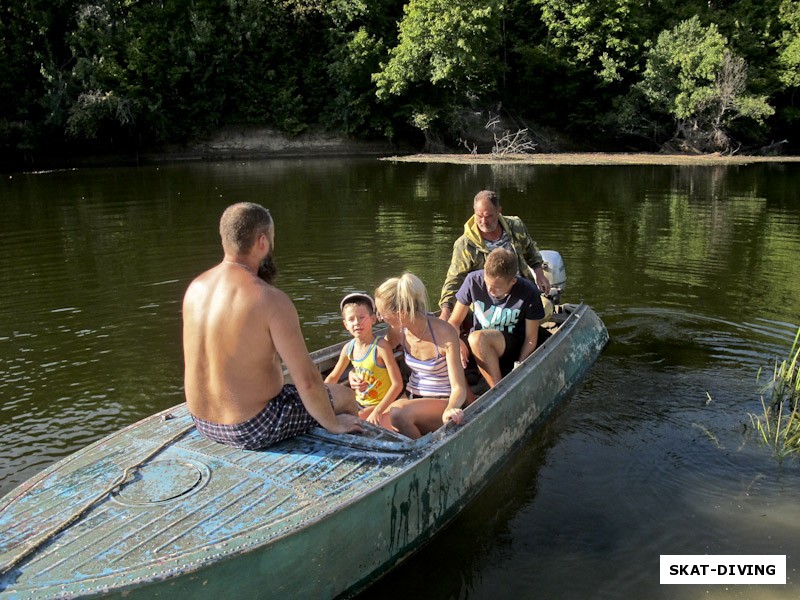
{"x":428,"y":378}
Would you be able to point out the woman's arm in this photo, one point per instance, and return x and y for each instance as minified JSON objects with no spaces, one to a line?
{"x":449,"y":344}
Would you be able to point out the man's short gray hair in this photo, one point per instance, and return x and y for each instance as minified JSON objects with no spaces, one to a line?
{"x":487,"y":196}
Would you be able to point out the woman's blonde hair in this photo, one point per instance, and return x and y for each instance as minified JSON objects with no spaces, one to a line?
{"x":405,"y":295}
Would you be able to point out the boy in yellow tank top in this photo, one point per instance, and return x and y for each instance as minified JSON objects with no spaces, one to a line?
{"x":371,"y":356}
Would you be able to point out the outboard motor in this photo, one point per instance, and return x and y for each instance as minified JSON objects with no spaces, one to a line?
{"x":553,"y":267}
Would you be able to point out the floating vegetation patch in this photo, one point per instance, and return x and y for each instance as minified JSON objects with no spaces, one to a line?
{"x":779,"y":425}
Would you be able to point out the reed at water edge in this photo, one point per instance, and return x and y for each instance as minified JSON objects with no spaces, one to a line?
{"x":779,"y":425}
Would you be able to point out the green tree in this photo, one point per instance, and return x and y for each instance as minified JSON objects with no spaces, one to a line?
{"x":603,"y":35}
{"x":353,"y":105}
{"x":789,"y":43}
{"x":355,"y":38}
{"x":164,"y":71}
{"x":788,"y":60}
{"x":693,"y":76}
{"x":32,"y":39}
{"x":446,"y":58}
{"x":141,"y":72}
{"x":118,"y":74}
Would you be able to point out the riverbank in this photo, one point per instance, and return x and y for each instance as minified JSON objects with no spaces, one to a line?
{"x":590,"y":158}
{"x":265,"y":142}
{"x":248,"y":143}
{"x":228,"y":143}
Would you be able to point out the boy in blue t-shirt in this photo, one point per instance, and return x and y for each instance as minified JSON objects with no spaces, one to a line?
{"x":507,"y":310}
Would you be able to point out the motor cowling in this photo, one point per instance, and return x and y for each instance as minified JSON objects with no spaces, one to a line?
{"x":556,"y":273}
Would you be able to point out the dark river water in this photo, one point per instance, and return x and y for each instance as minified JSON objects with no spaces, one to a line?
{"x":695,"y":271}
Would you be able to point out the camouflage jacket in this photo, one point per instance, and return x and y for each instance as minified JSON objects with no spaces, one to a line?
{"x":470,"y":251}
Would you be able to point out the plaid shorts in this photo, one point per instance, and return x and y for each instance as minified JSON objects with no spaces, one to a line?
{"x":284,"y":416}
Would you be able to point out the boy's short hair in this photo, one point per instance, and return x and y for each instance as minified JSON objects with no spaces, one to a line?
{"x":501,"y":263}
{"x":358,"y":298}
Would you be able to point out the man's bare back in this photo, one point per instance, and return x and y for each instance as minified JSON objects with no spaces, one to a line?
{"x":232,"y":368}
{"x":236,"y":330}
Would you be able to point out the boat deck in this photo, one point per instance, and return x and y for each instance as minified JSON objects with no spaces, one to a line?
{"x":249,"y":498}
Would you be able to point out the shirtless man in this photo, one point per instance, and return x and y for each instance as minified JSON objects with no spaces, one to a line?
{"x":236,"y":328}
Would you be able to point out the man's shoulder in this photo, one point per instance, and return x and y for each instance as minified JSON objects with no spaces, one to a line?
{"x":514,"y":222}
{"x":463,"y":240}
{"x":472,"y":280}
{"x":275,"y":297}
{"x":245,"y":288}
{"x":200,"y":285}
{"x":465,"y":256}
{"x":257,"y":291}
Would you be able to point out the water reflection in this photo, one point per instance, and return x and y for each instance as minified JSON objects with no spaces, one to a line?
{"x":694,"y":271}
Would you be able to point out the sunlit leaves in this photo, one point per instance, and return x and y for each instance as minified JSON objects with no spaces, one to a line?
{"x":692,"y":75}
{"x":682,"y":67}
{"x":600,"y":34}
{"x":450,"y":44}
{"x":789,"y":44}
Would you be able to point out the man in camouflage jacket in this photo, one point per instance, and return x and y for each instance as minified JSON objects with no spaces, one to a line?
{"x":484,"y":231}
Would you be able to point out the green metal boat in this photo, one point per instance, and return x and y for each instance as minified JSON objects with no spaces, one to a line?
{"x":155,"y":510}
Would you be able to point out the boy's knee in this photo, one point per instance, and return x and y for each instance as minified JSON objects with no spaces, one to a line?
{"x":479,"y":343}
{"x":344,"y":400}
{"x":474,"y":340}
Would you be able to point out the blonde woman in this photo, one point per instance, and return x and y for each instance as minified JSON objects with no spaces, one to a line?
{"x":437,"y":388}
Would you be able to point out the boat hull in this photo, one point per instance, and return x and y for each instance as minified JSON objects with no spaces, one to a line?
{"x":318,"y":516}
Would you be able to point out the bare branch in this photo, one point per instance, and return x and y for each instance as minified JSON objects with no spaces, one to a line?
{"x":516,"y":143}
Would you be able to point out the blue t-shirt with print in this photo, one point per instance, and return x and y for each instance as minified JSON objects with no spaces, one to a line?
{"x":504,"y":314}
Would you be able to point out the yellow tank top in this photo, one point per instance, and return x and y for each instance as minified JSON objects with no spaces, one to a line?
{"x":376,"y":376}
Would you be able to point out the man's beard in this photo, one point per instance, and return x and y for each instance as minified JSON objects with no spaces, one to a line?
{"x":268,"y":270}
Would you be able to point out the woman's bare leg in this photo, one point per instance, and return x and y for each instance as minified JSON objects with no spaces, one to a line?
{"x":414,"y":418}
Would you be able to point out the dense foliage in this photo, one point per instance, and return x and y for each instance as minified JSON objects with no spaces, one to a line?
{"x":124,"y":75}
